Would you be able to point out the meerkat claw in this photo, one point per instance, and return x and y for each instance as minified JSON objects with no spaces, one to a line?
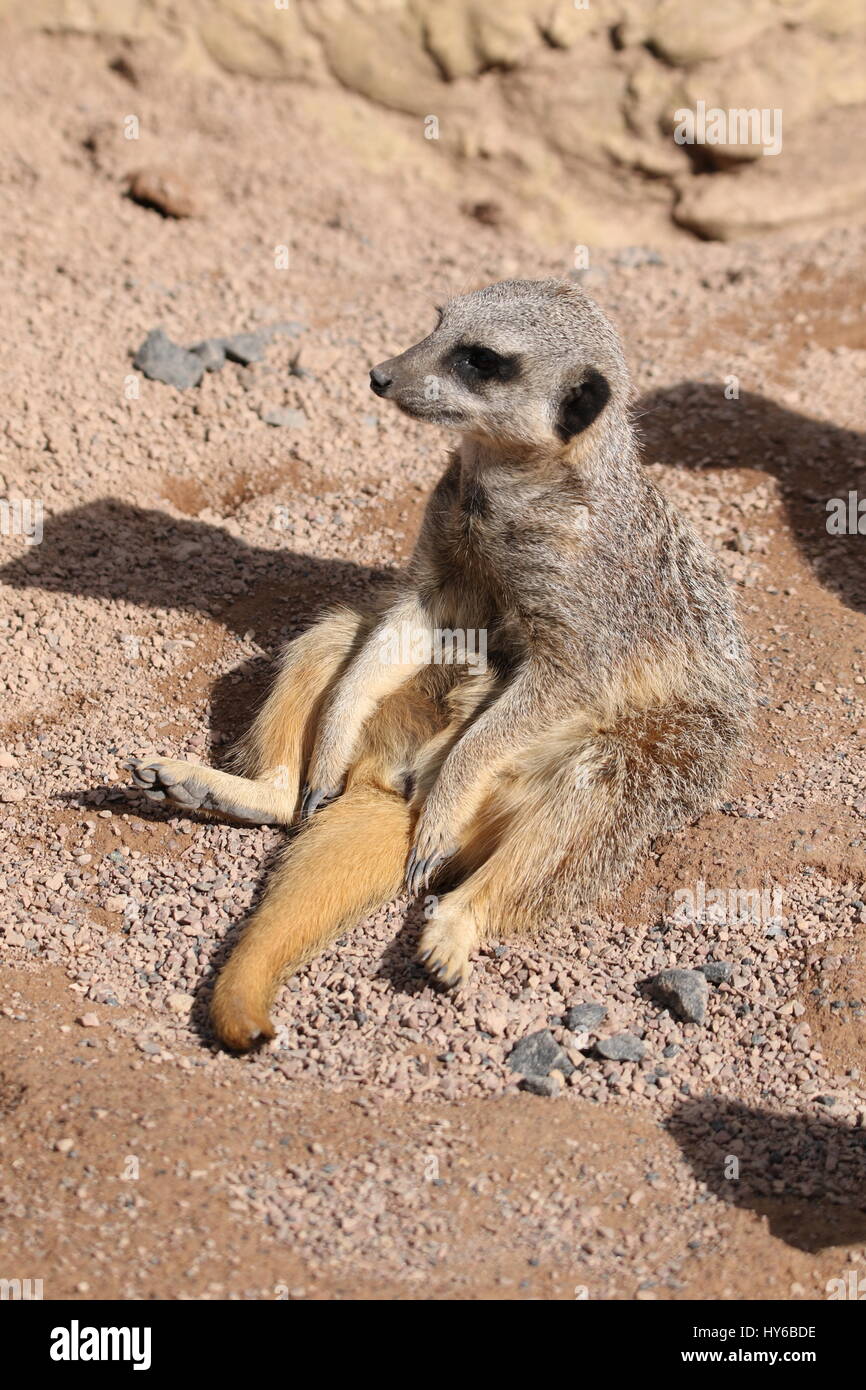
{"x":410,"y":867}
{"x":420,"y":871}
{"x":314,"y":797}
{"x":142,"y":775}
{"x":444,"y":951}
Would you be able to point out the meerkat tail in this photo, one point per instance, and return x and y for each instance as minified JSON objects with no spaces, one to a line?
{"x":347,"y":860}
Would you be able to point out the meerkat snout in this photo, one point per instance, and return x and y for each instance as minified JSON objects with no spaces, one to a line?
{"x":529,"y":361}
{"x":379,"y":381}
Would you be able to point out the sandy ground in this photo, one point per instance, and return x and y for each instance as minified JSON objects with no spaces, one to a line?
{"x":380,"y":1146}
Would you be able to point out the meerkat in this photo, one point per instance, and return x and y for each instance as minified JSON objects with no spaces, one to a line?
{"x":611,"y":708}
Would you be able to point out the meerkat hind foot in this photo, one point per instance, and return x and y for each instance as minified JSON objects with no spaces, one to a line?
{"x":446,"y":944}
{"x":192,"y":787}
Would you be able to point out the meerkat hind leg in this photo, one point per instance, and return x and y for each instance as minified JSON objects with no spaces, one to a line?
{"x":273,"y":754}
{"x":558,"y":836}
{"x":192,"y":787}
{"x":345,"y":861}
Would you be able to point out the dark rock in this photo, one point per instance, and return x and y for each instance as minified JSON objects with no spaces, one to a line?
{"x":718,"y":972}
{"x":160,"y":359}
{"x":583,"y":1018}
{"x":246,"y":347}
{"x":538,"y":1054}
{"x":212,"y":353}
{"x":622,"y":1047}
{"x":542,"y":1085}
{"x":489,"y":213}
{"x":684,"y":992}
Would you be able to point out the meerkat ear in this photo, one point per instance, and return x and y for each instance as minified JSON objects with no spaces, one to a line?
{"x":582,"y":404}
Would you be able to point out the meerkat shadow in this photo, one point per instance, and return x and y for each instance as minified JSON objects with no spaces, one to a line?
{"x":806,"y":1177}
{"x":398,"y":964}
{"x":117,"y":552}
{"x":693,"y":425}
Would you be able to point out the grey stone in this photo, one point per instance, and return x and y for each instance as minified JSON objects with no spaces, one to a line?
{"x":684,"y":992}
{"x":718,"y":972}
{"x":538,"y":1054}
{"x":284,"y":417}
{"x":542,"y":1085}
{"x":160,"y":359}
{"x":583,"y":1018}
{"x":212,"y":353}
{"x":622,"y":1047}
{"x":246,"y":347}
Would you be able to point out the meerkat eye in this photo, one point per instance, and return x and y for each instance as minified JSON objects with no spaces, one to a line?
{"x":475,"y":363}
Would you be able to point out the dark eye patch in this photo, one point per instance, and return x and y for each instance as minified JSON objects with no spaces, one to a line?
{"x":474,"y":363}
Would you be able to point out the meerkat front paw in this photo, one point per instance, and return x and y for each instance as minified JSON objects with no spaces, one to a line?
{"x":431,"y":849}
{"x":446,"y":944}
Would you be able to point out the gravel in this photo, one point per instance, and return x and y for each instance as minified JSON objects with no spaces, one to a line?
{"x":284,"y":417}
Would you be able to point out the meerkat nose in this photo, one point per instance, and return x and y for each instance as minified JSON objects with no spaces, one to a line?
{"x":379,"y":381}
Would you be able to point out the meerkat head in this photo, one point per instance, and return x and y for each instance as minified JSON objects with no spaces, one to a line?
{"x":533,"y":362}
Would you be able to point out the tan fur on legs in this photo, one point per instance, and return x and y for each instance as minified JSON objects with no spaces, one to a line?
{"x":345,"y":862}
{"x":280,"y":740}
{"x":563,"y":825}
{"x":273,"y":755}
